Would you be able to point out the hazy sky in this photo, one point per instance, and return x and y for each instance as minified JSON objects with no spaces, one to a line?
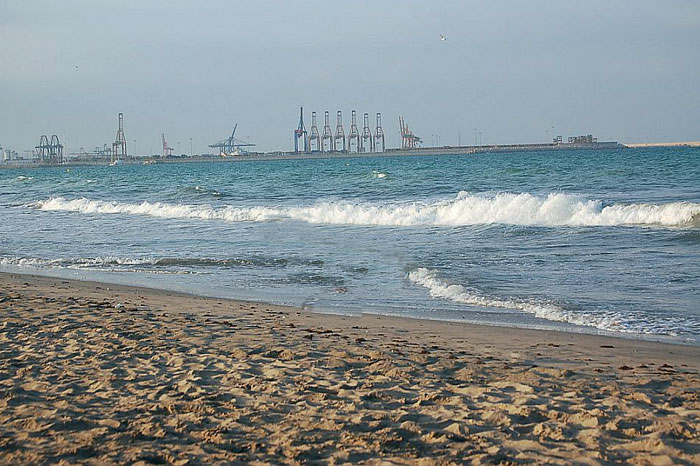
{"x":627,"y":70}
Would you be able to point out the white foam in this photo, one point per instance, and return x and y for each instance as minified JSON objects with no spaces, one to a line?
{"x":22,"y":261}
{"x":159,"y":209}
{"x":98,"y":264}
{"x":442,"y":289}
{"x":465,"y":209}
{"x":78,"y":263}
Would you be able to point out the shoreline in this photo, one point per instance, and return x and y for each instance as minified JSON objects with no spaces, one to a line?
{"x":111,"y":373}
{"x":320,"y":311}
{"x":446,"y":327}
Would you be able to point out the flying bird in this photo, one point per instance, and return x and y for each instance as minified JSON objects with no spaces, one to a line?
{"x":442,"y":37}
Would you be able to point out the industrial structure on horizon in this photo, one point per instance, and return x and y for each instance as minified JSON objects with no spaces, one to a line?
{"x":325,"y":142}
{"x":408,"y":139}
{"x":311,"y":143}
{"x":50,"y":151}
{"x":167,"y":150}
{"x":231,"y":145}
{"x":119,"y":145}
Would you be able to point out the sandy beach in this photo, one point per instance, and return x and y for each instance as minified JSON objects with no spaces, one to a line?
{"x":102,"y":374}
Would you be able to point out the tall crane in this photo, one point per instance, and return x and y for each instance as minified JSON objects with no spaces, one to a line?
{"x":50,"y":151}
{"x":315,"y":137}
{"x":354,"y":134}
{"x":167,"y":150}
{"x":367,"y":141}
{"x":231,"y":145}
{"x":300,"y":133}
{"x":408,"y":139}
{"x":339,"y":134}
{"x":119,"y":152}
{"x":328,"y":134}
{"x":379,"y":134}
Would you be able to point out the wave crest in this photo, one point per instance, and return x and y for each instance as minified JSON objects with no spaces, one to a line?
{"x":159,"y":209}
{"x":159,"y":262}
{"x":608,"y":321}
{"x":466,"y":209}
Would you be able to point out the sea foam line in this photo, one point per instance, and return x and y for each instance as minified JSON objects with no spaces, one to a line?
{"x":96,"y":264}
{"x":525,"y":209}
{"x":609,"y":321}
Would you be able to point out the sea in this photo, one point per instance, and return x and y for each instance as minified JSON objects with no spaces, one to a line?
{"x":590,"y":241}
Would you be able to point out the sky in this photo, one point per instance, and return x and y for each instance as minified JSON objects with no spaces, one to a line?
{"x":513,"y":71}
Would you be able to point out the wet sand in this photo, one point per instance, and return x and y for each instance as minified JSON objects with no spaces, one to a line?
{"x":101,"y":374}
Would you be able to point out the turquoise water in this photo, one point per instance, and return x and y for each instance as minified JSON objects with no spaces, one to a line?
{"x":586,"y":241}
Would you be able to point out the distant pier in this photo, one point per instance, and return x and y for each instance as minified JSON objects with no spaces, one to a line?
{"x":284,"y":155}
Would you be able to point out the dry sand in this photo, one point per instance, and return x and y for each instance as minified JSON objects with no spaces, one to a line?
{"x":101,"y":374}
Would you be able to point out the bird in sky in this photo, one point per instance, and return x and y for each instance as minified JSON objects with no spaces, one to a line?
{"x":442,"y":37}
{"x":75,"y":67}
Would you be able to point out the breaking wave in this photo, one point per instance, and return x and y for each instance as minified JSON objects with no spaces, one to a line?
{"x":465,"y":209}
{"x":608,"y":321}
{"x":159,"y":209}
{"x":157,"y":262}
{"x":97,"y":264}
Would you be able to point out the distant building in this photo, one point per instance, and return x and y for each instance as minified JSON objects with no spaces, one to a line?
{"x":588,"y":139}
{"x":8,"y":155}
{"x":11,"y":157}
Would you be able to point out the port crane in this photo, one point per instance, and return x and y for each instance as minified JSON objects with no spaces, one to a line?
{"x":231,"y":145}
{"x":167,"y":150}
{"x":300,"y":133}
{"x":50,"y":151}
{"x":408,"y":139}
